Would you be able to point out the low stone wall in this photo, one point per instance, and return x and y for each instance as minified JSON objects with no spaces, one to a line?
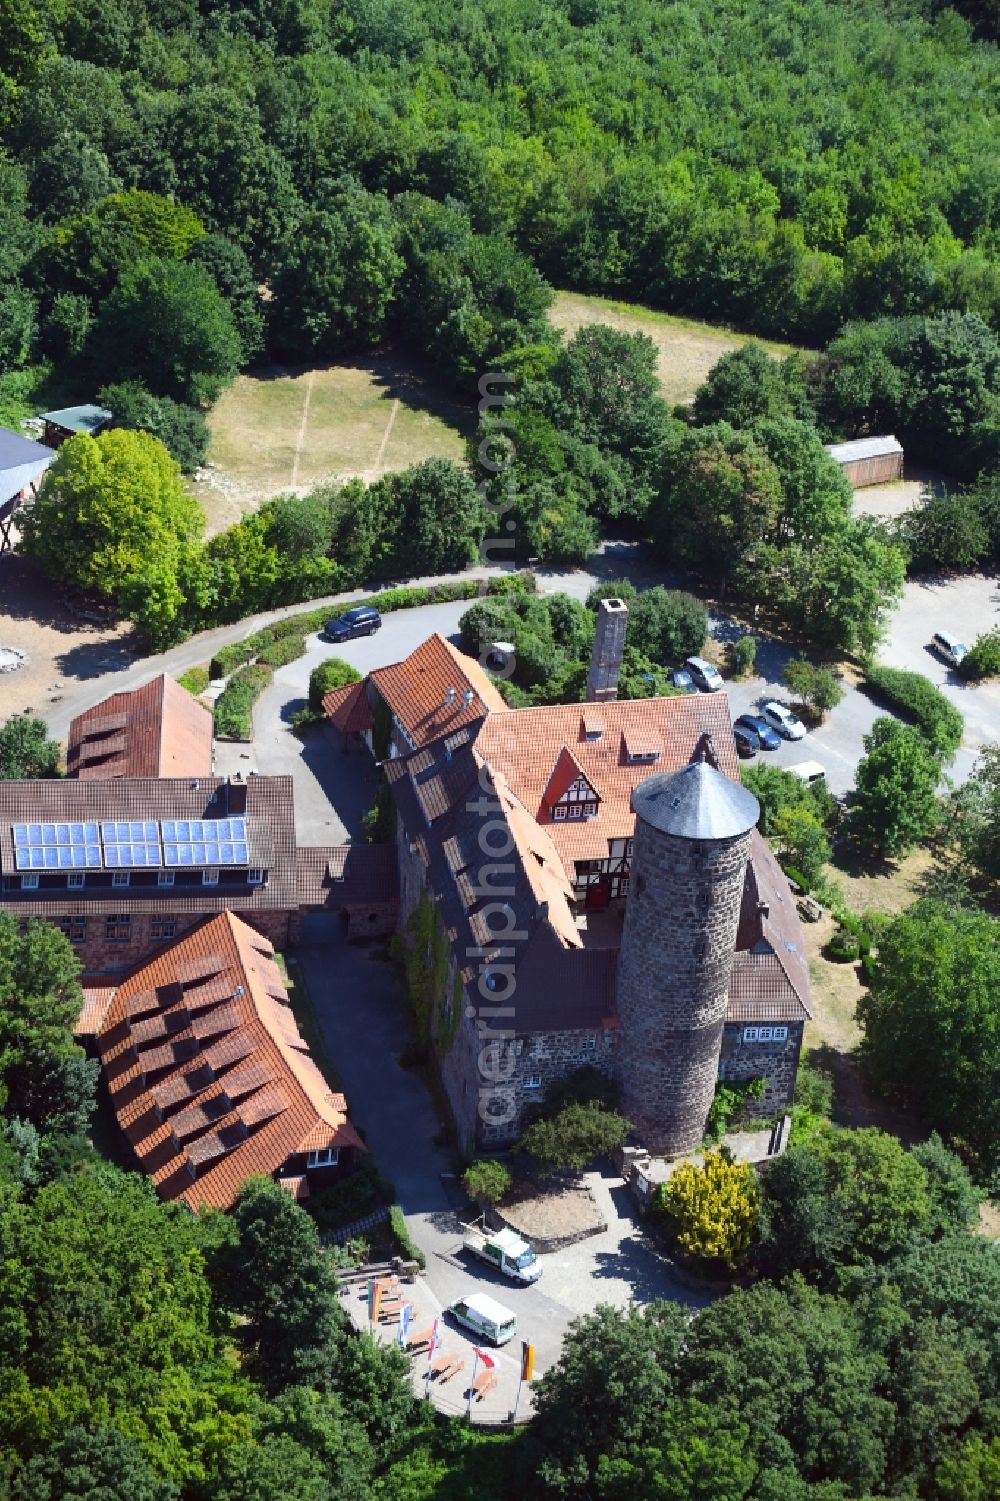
{"x":554,"y":1219}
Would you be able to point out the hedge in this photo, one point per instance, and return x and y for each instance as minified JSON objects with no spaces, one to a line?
{"x":982,"y":660}
{"x":234,"y":706}
{"x":410,"y":1251}
{"x":286,"y":649}
{"x":919,"y":700}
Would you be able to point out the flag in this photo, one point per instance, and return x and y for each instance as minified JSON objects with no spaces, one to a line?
{"x":374,"y":1300}
{"x":405,"y":1314}
{"x":486,"y":1358}
{"x":527,"y":1360}
{"x":433,"y":1342}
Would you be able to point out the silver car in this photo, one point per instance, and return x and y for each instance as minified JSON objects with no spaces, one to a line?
{"x":783,"y":720}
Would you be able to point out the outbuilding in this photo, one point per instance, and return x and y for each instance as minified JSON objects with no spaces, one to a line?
{"x":22,"y":464}
{"x":869,"y":461}
{"x":69,"y":421}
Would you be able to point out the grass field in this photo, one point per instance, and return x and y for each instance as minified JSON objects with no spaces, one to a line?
{"x":687,"y":350}
{"x":278,"y":430}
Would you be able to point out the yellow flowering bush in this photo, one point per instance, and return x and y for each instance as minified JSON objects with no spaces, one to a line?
{"x":713,"y":1208}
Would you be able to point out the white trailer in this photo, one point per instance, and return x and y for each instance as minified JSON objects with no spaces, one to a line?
{"x":504,"y":1250}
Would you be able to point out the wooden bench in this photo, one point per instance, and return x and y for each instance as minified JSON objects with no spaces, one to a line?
{"x":444,"y":1370}
{"x":421,"y":1339}
{"x":483,"y":1384}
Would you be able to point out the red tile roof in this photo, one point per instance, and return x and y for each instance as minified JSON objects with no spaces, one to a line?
{"x":249,"y":1100}
{"x":526,"y":744}
{"x":97,"y":993}
{"x":347,"y":708}
{"x":417,"y":690}
{"x":158,"y":730}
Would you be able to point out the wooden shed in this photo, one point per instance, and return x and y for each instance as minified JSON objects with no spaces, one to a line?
{"x":69,"y":421}
{"x":869,"y":461}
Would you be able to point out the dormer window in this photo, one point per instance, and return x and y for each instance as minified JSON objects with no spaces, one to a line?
{"x":569,"y":794}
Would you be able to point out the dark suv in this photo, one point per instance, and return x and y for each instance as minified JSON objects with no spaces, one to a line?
{"x":361,"y":621}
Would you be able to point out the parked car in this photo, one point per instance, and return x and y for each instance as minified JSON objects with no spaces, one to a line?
{"x":363,"y":620}
{"x":949,"y":647}
{"x":704,"y":674}
{"x":485,"y":1317}
{"x":746,"y":742}
{"x":783,"y":720}
{"x":809,"y":773}
{"x":764,"y":737}
{"x":683,"y":680}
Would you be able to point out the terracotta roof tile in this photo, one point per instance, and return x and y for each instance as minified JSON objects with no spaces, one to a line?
{"x":247,"y":1099}
{"x":97,"y":993}
{"x":417,"y":690}
{"x":158,"y":730}
{"x":347,"y":708}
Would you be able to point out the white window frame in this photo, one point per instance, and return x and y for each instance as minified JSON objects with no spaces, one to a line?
{"x":532,"y":1081}
{"x":210,"y":877}
{"x":29,"y":880}
{"x":559,"y":811}
{"x":255,"y":876}
{"x":165,"y":877}
{"x":75,"y":880}
{"x":120,"y":877}
{"x":323,"y":1157}
{"x":588,"y":1045}
{"x":765,"y":1034}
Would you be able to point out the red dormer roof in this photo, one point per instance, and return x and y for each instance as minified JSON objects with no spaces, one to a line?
{"x":565,"y":772}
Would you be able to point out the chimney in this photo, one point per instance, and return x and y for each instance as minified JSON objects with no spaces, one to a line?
{"x":236,"y":796}
{"x":449,"y":697}
{"x":609,"y":645}
{"x":467,"y":698}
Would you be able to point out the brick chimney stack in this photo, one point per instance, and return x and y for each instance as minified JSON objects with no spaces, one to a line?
{"x":609,"y":647}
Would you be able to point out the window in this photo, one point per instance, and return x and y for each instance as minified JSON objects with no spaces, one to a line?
{"x":532,"y":1081}
{"x":588,"y":1045}
{"x":255,"y":877}
{"x":162,"y":927}
{"x":75,"y":928}
{"x":765,"y":1034}
{"x":118,"y":929}
{"x":164,"y":878}
{"x":575,"y":810}
{"x":29,"y":883}
{"x":210,"y":878}
{"x":120,"y":877}
{"x":559,"y":811}
{"x":325,"y":1157}
{"x":75,"y":880}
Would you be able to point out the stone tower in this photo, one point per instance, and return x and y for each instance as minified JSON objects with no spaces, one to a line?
{"x":692,"y":842}
{"x":609,"y":646}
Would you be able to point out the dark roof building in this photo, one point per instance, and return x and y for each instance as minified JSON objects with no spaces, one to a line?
{"x":22,"y":462}
{"x":158,"y":730}
{"x":67,"y":422}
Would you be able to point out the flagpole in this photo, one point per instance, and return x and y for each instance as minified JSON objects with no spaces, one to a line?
{"x":472,"y":1383}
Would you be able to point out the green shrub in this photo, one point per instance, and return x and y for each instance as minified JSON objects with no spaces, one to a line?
{"x":745,"y":654}
{"x":816,"y":687}
{"x":234,"y":706}
{"x":329,"y":675}
{"x":351,"y":1198}
{"x":407,"y":1248}
{"x":487,"y":1181}
{"x":917,"y":699}
{"x":813,"y":1088}
{"x":286,"y":649}
{"x":983,"y":659}
{"x":195,"y":680}
{"x":844,"y":947}
{"x":796,"y":876}
{"x":228,"y":658}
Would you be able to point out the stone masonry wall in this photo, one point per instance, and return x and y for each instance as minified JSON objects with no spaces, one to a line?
{"x":673,"y":976}
{"x":100,"y":955}
{"x":777,"y":1063}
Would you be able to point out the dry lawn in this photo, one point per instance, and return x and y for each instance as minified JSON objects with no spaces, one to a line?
{"x":687,"y":350}
{"x":279,"y":430}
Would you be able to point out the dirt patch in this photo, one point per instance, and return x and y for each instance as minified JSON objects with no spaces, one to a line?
{"x":278,"y":430}
{"x":917,"y":485}
{"x":890,"y":890}
{"x":554,"y":1217}
{"x":58,"y":646}
{"x":989,"y":1219}
{"x":686,"y":350}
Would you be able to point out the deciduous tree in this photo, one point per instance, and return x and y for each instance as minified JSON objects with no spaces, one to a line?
{"x":26,"y":749}
{"x":896,"y":788}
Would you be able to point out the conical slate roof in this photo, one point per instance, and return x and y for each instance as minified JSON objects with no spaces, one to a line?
{"x":697,"y":802}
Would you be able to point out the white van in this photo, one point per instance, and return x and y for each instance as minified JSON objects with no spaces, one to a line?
{"x":704,"y":674}
{"x":808,"y":772}
{"x":949,"y":647}
{"x":486,"y":1318}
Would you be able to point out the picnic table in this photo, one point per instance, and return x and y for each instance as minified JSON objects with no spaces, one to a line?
{"x":483,"y":1384}
{"x":420,"y":1339}
{"x":447,"y":1366}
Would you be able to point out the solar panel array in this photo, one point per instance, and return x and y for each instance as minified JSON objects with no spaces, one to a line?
{"x":131,"y":845}
{"x":57,"y":846}
{"x":205,"y":841}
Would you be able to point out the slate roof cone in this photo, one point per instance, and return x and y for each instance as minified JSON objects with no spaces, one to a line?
{"x":692,"y":841}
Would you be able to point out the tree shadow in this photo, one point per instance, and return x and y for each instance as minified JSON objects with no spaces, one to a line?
{"x":857,"y":1103}
{"x":95,"y":659}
